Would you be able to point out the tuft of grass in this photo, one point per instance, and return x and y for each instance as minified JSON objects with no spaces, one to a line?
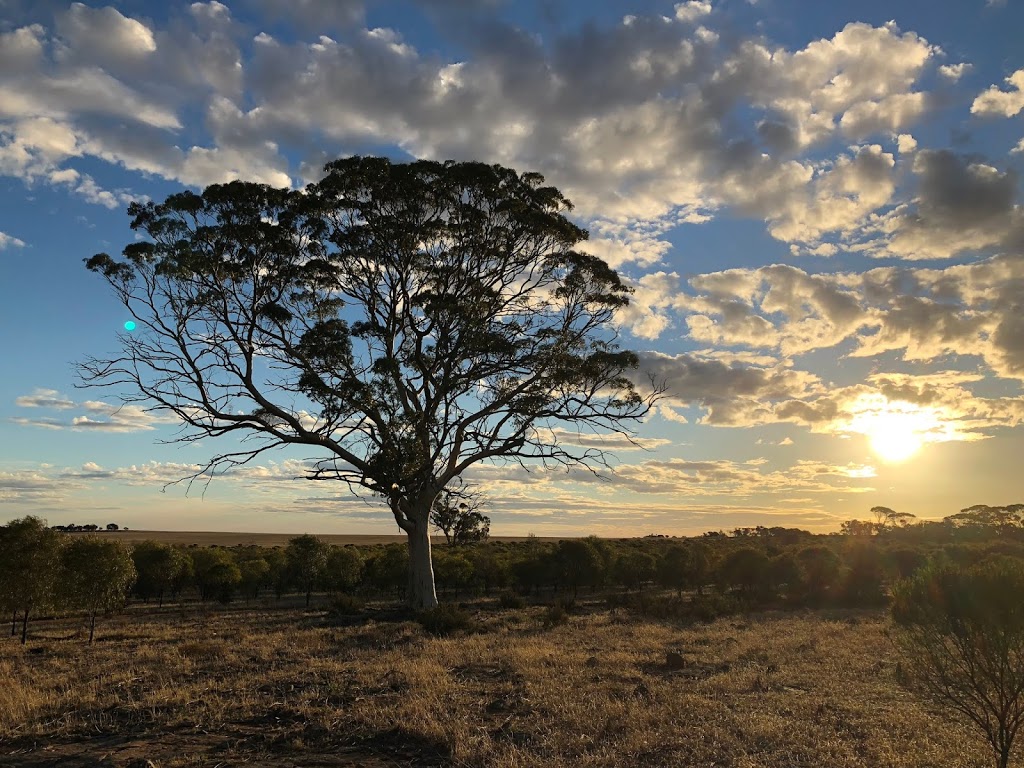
{"x":445,"y":620}
{"x":347,"y":605}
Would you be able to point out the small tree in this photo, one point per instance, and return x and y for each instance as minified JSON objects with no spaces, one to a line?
{"x":407,"y":321}
{"x":675,"y":569}
{"x":822,"y":569}
{"x":577,"y":562}
{"x":29,"y":566}
{"x":344,"y":568}
{"x":215,"y":572}
{"x":962,"y":632}
{"x":454,"y":570}
{"x":307,"y":559}
{"x":746,"y":568}
{"x":96,"y":575}
{"x":633,"y":567}
{"x":456,"y":513}
{"x":254,"y":572}
{"x":886,"y":518}
{"x":158,"y":568}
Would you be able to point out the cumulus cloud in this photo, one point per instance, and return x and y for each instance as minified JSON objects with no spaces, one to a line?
{"x":634,"y":121}
{"x":954,"y":72}
{"x":924,"y":314}
{"x":103,"y":35}
{"x":962,"y":204}
{"x":996,"y":102}
{"x":692,"y":10}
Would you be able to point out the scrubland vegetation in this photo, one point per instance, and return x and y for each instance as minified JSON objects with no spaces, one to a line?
{"x":765,"y":647}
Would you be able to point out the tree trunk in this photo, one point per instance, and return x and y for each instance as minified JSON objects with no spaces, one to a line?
{"x":14,"y":623}
{"x":422,"y":594}
{"x":24,"y":627}
{"x":92,"y":626}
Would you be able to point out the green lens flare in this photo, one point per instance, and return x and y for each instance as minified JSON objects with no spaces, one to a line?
{"x":130,"y":325}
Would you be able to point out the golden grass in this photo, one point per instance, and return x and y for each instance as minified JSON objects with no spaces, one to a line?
{"x":286,"y":687}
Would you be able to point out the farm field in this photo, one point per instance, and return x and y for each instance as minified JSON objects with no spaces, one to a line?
{"x":281,"y":686}
{"x":241,"y":538}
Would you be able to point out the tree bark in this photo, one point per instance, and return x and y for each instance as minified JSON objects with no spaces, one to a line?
{"x":24,"y":627}
{"x":422,"y":594}
{"x":14,"y":623}
{"x":92,"y":626}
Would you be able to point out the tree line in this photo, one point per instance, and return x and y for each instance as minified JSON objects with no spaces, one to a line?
{"x":43,"y":571}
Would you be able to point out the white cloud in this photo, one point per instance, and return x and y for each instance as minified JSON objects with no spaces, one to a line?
{"x":906,"y":143}
{"x":21,"y":49}
{"x":692,"y":10}
{"x":954,"y":72}
{"x":10,"y":241}
{"x":962,"y":204}
{"x":104,"y":35}
{"x":923,"y":314}
{"x":93,"y":416}
{"x":44,"y":398}
{"x":998,"y":103}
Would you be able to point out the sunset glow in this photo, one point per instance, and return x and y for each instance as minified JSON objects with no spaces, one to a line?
{"x":898,"y":430}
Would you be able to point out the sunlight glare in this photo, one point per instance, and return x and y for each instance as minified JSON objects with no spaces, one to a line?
{"x":897,"y":430}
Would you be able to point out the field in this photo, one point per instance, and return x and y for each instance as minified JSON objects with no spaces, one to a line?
{"x":231,"y":539}
{"x":279,"y":686}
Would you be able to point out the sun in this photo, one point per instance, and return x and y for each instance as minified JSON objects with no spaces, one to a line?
{"x":894,"y":439}
{"x":896,"y":430}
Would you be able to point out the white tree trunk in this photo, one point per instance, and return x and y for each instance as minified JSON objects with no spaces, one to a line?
{"x":422,"y":595}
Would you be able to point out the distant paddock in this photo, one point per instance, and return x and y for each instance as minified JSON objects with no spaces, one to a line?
{"x":235,"y":538}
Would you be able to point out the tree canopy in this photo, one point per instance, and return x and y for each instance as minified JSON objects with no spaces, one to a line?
{"x":407,"y":320}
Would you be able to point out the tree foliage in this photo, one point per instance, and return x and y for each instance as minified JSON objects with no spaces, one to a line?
{"x":456,"y":513}
{"x":159,"y":569}
{"x":96,"y":574}
{"x":406,"y":320}
{"x":963,"y":632}
{"x":29,"y":568}
{"x":307,"y":558}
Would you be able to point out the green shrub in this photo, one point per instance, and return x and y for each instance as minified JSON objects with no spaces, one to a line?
{"x":445,"y":620}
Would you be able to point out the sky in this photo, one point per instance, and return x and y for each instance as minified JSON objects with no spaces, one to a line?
{"x":817,"y":204}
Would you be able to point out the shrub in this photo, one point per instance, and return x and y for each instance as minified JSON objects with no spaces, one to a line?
{"x":511,"y":600}
{"x":962,"y":632}
{"x":346,"y":605}
{"x":445,"y":620}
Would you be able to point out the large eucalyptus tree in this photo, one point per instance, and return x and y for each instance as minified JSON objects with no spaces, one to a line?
{"x":407,"y":321}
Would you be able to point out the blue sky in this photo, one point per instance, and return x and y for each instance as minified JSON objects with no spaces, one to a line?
{"x":818,"y":205}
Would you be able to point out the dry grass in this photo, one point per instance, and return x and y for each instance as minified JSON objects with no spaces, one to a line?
{"x":284,"y":687}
